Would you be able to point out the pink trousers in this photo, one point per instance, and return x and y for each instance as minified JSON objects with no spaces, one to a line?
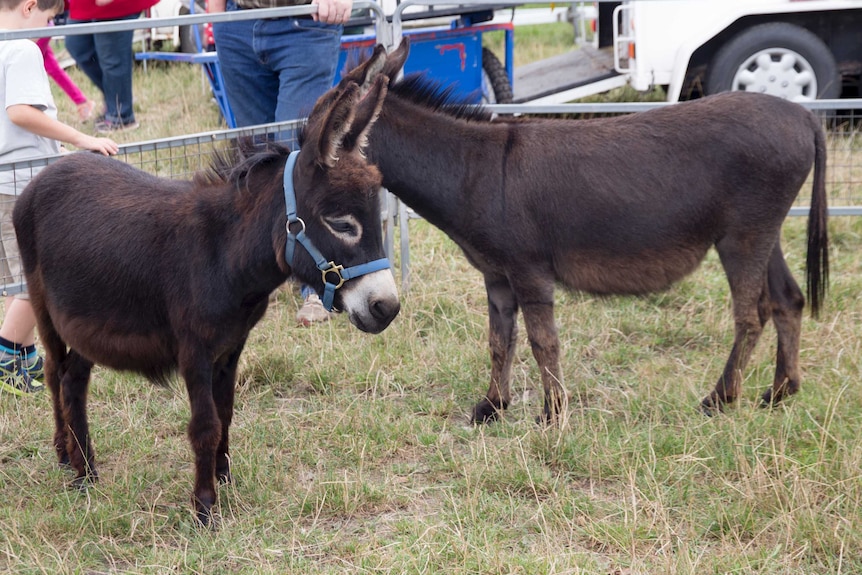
{"x":56,"y":72}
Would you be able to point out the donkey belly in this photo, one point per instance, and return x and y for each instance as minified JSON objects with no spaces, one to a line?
{"x":632,"y":273}
{"x":151,"y":353}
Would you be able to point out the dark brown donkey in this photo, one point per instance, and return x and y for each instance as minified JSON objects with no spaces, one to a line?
{"x":625,"y":205}
{"x":146,"y":274}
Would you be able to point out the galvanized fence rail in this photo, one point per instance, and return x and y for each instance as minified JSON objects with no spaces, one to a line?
{"x":181,"y":156}
{"x":177,"y":158}
{"x":842,"y":120}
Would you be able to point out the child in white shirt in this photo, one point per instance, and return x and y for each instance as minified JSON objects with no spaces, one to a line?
{"x":28,"y":129}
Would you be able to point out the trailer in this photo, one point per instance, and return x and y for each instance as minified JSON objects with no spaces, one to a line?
{"x":796,"y":49}
{"x":446,"y":44}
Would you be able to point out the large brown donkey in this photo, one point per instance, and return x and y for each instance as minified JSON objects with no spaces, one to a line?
{"x":146,"y":274}
{"x":624,"y":205}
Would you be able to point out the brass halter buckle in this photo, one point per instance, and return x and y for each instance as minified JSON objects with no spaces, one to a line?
{"x":333,"y":269}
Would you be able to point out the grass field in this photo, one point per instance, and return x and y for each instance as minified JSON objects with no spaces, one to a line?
{"x":353,"y":454}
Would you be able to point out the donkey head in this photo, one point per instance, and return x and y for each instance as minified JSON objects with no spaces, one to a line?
{"x":338,"y":203}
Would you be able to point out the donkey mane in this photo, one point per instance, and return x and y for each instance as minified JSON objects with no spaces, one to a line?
{"x":234,"y":163}
{"x":423,"y":91}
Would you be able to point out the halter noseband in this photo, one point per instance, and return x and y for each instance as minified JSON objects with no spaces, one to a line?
{"x":326,"y":267}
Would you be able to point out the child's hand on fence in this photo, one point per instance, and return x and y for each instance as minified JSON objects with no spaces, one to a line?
{"x":105,"y":146}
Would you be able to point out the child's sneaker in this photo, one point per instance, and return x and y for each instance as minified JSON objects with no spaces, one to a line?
{"x":33,"y":365}
{"x":312,"y":311}
{"x":13,"y":378}
{"x":105,"y":126}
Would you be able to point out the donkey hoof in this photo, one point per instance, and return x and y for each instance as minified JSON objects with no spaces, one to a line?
{"x":544,"y":421}
{"x":204,"y":513}
{"x":207,"y":519}
{"x":769,"y":399}
{"x":548,"y":420}
{"x":82,"y":482}
{"x":487,"y":412}
{"x":777,"y":394}
{"x":710,"y":406}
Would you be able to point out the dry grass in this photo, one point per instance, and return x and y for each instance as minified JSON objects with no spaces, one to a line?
{"x":352,"y":453}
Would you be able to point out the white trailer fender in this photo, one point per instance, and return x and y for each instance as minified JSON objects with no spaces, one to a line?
{"x":723,"y":18}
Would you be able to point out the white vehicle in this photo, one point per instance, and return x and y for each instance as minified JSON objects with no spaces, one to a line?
{"x":180,"y":36}
{"x":796,"y":49}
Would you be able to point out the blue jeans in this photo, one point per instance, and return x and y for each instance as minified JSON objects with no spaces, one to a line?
{"x":275,"y":69}
{"x":106,"y":58}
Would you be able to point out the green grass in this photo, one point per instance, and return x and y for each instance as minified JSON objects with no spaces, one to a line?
{"x":352,"y":453}
{"x":533,"y":42}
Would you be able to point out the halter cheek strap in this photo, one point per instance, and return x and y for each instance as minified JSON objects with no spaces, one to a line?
{"x":327,"y":268}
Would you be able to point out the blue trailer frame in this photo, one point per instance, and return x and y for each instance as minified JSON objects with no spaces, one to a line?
{"x":451,"y":55}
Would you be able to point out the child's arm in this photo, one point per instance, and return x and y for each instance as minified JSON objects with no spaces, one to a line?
{"x":34,"y":120}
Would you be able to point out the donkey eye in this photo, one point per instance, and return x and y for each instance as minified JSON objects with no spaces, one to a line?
{"x":346,"y":227}
{"x":343,"y":227}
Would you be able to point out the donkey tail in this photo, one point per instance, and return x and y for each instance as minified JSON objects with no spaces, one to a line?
{"x":817,"y":262}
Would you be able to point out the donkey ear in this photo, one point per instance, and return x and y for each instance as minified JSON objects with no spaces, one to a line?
{"x":395,"y":60}
{"x":367,"y":111}
{"x":337,"y":123}
{"x":365,"y":73}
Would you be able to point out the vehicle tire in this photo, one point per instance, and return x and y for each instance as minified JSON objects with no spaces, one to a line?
{"x":776,"y":58}
{"x":496,"y":88}
{"x":187,"y":39}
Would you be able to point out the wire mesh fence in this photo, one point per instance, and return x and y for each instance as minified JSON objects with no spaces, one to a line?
{"x":180,"y":157}
{"x":176,"y":158}
{"x":844,"y":172}
{"x":842,"y":120}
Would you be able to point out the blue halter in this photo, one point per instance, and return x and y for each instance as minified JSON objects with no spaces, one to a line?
{"x":325,"y":267}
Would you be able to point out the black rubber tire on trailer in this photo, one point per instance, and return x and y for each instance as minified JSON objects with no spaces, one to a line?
{"x":749,"y":61}
{"x":187,"y":39}
{"x":496,"y":88}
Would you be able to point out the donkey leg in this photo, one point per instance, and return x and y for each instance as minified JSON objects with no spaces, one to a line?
{"x":751,"y":310}
{"x":787,"y":303}
{"x":53,"y":376}
{"x":55,"y":355}
{"x":204,"y":429}
{"x":73,"y":397}
{"x":502,"y":334}
{"x":224,"y":386}
{"x":537,"y":302}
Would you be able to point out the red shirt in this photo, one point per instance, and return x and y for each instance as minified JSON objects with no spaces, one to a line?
{"x":89,"y":10}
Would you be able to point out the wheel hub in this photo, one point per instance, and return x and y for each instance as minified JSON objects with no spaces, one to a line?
{"x":779,"y":72}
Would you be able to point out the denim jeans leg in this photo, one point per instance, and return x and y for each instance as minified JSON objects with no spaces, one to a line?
{"x":116,"y":58}
{"x":250,"y":85}
{"x":305,"y":62}
{"x":276,"y":69}
{"x":82,"y":49}
{"x":305,"y":291}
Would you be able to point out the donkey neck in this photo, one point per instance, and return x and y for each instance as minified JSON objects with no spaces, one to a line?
{"x":254,"y":262}
{"x":428,"y":157}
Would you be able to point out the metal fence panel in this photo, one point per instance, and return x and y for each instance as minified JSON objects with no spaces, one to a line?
{"x":180,"y":157}
{"x":842,"y":120}
{"x":176,"y":158}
